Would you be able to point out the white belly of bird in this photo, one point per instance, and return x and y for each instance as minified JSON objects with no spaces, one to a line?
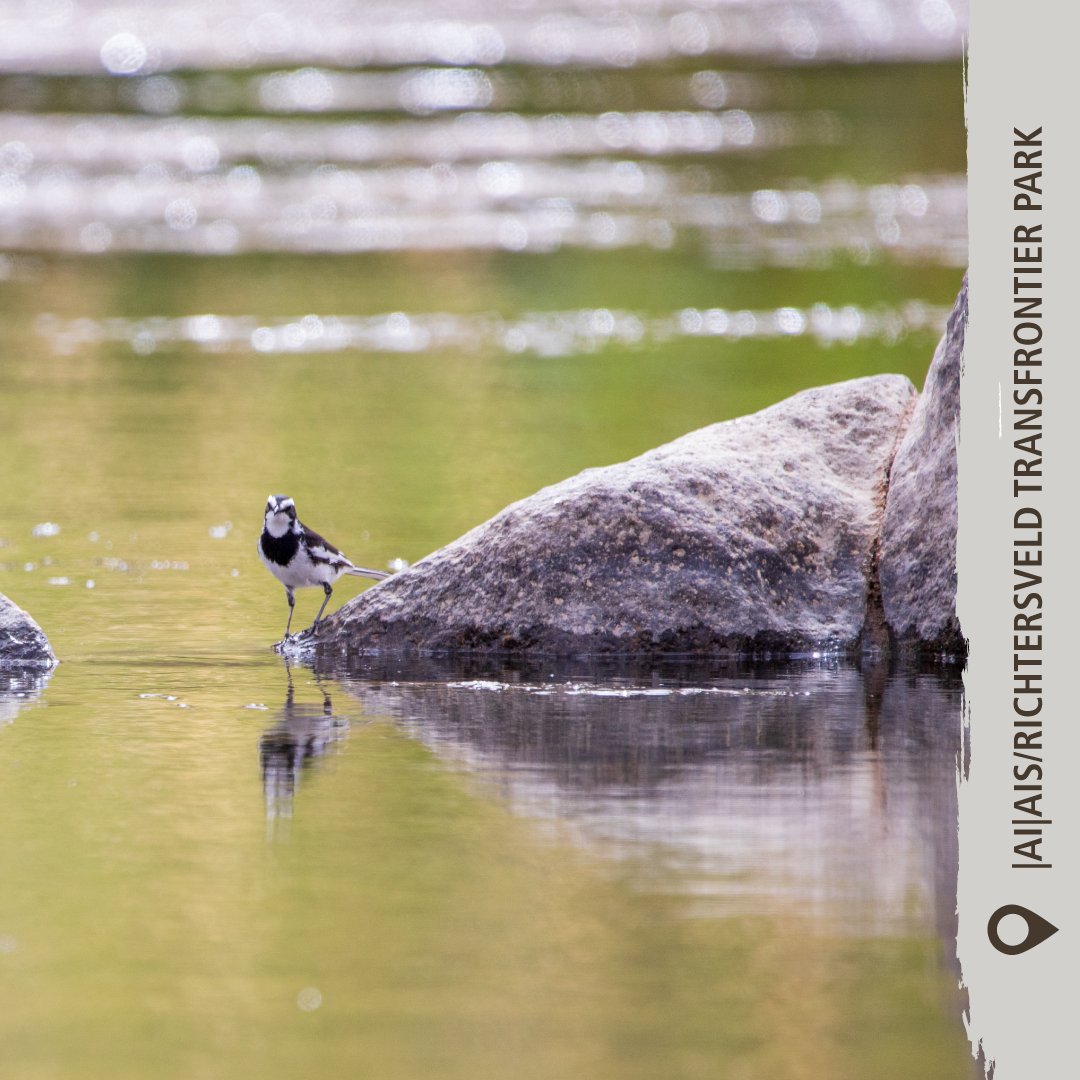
{"x":302,"y":572}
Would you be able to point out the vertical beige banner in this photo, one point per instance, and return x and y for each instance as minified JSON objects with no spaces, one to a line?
{"x":1019,"y":567}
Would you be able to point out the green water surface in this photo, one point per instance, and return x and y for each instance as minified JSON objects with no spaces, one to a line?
{"x":397,"y":918}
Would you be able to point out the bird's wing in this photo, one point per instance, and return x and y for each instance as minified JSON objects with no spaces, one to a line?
{"x":321,"y":550}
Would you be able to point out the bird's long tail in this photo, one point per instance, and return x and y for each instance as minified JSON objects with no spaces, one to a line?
{"x":360,"y":571}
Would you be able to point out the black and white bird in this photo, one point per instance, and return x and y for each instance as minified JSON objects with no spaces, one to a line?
{"x":299,"y":558}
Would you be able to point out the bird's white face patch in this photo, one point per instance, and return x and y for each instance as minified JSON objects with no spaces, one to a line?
{"x":280,"y":515}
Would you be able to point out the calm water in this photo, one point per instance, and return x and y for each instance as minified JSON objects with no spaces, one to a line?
{"x":408,"y":272}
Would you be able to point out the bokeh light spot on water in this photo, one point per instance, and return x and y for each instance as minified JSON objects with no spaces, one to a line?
{"x":309,"y":999}
{"x":12,"y":190}
{"x":799,"y":37}
{"x":263,"y":339}
{"x":160,"y":94}
{"x":15,"y":158}
{"x":938,"y":17}
{"x":500,"y":179}
{"x":271,"y":33}
{"x":95,"y":237}
{"x":689,"y":33}
{"x":244,"y":180}
{"x":790,"y":320}
{"x":739,"y":127}
{"x":709,"y":89}
{"x":200,"y":154}
{"x":513,"y":235}
{"x":306,"y":90}
{"x":124,"y":54}
{"x":181,"y":214}
{"x":436,"y":89}
{"x":769,"y":206}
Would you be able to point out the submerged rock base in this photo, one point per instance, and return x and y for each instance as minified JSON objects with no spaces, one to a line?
{"x":771,"y":534}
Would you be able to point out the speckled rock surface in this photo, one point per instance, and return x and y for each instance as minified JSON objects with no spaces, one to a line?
{"x":752,"y":536}
{"x":918,"y":544}
{"x":23,"y":644}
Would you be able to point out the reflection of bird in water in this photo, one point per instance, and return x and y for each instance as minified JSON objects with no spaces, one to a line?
{"x":303,"y":732}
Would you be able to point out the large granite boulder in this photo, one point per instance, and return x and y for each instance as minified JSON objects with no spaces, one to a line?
{"x":23,"y":644}
{"x":753,"y":536}
{"x":918,"y":543}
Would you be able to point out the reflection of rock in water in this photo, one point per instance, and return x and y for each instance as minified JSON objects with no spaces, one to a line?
{"x":303,"y":732}
{"x":18,"y":688}
{"x":821,"y":789}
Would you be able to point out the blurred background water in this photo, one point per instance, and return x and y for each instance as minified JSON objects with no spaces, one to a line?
{"x":408,"y":262}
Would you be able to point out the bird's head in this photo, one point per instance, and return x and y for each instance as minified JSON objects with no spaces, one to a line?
{"x":280,"y":515}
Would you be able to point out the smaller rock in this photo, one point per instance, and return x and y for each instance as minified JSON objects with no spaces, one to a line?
{"x":23,"y":643}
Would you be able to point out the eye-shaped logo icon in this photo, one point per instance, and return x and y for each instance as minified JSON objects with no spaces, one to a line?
{"x":1038,"y":929}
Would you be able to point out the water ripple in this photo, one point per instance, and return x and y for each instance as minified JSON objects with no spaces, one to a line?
{"x":71,"y":36}
{"x":542,"y":333}
{"x":108,"y":184}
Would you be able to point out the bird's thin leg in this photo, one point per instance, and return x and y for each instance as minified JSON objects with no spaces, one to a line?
{"x":292,"y":604}
{"x":326,"y":600}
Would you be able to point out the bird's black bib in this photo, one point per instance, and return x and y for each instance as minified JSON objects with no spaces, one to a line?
{"x":280,"y":549}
